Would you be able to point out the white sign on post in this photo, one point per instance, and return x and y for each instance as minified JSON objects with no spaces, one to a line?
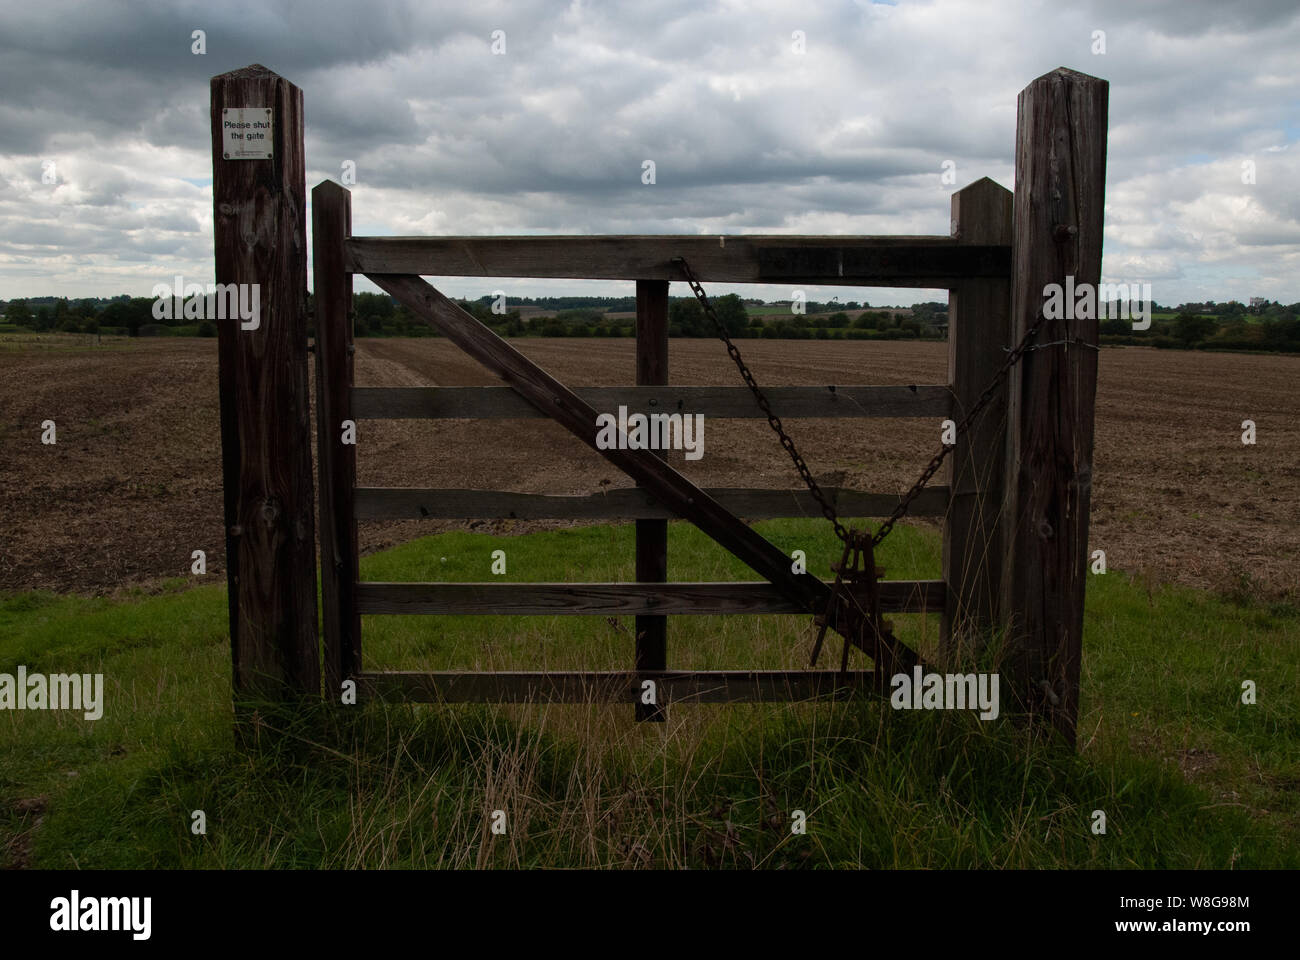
{"x":246,"y":133}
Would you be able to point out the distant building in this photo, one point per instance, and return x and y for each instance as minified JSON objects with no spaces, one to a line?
{"x":1259,"y":301}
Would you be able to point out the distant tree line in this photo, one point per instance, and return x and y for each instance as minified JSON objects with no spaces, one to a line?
{"x":1267,"y":326}
{"x":378,"y":315}
{"x":1272,"y":328}
{"x":120,"y":316}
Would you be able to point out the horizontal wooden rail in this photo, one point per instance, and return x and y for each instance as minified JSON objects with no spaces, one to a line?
{"x":672,"y":686}
{"x":616,"y":599}
{"x":491,"y":403}
{"x":841,"y":261}
{"x":393,"y":503}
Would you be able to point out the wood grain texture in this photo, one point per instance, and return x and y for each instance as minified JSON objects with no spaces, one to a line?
{"x":397,"y":403}
{"x":259,"y":224}
{"x":618,"y":599}
{"x":336,"y":461}
{"x":651,"y":534}
{"x":979,"y":334}
{"x":712,"y":686}
{"x":1059,"y":199}
{"x":845,"y":261}
{"x":396,"y":503}
{"x":667,"y":485}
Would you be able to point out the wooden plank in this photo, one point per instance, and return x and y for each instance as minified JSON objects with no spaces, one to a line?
{"x":979,"y":334}
{"x":618,"y":599}
{"x":259,"y":232}
{"x":748,"y":258}
{"x":489,"y":403}
{"x":336,"y":461}
{"x":394,"y":503}
{"x":1060,"y":192}
{"x":668,"y":486}
{"x":651,"y":534}
{"x":676,"y":686}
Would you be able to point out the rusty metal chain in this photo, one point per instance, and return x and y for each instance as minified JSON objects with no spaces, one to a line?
{"x":937,"y":460}
{"x":828,"y":510}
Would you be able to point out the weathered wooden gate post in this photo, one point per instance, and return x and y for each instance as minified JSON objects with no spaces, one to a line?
{"x":259,"y":218}
{"x":331,"y":215}
{"x":979,"y":333}
{"x":1060,"y":188}
{"x":651,"y":535}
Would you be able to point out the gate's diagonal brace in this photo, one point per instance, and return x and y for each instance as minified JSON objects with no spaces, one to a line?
{"x":665,"y":484}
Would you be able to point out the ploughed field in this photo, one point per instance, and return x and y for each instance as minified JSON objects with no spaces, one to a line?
{"x":133,"y":484}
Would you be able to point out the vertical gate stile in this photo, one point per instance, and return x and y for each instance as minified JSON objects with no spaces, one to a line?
{"x":337,"y":462}
{"x":979,"y":334}
{"x":651,"y":535}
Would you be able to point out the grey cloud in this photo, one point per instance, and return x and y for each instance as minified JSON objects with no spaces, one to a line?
{"x":746,"y":135}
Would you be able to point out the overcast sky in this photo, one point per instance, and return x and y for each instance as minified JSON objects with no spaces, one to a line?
{"x":747,"y":135}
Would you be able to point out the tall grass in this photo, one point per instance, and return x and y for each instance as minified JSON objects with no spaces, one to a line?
{"x":1186,"y":775}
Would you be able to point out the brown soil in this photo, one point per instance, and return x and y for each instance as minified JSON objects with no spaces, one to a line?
{"x":133,"y":485}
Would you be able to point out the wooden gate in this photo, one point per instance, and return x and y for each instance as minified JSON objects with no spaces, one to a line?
{"x":1015,"y":506}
